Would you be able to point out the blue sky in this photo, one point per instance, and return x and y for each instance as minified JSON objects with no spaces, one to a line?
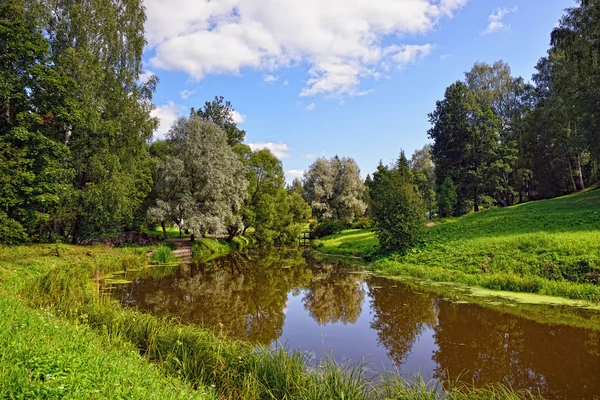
{"x":309,"y":79}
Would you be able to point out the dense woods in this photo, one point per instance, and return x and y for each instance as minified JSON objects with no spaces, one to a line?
{"x":77,"y":160}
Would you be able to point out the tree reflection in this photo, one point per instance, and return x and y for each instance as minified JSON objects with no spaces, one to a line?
{"x":239,"y":295}
{"x":334,"y":295}
{"x":483,"y":346}
{"x":400,"y":316}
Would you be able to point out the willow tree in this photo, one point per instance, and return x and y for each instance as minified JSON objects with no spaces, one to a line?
{"x":209,"y":177}
{"x":98,"y":46}
{"x":334,"y":189}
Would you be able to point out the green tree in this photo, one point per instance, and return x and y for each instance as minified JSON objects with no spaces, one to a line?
{"x":32,"y":172}
{"x":221,"y":113}
{"x":99,"y":46}
{"x":464,"y":130}
{"x":334,"y":189}
{"x":422,"y":167}
{"x":447,"y":198}
{"x":206,"y":178}
{"x":397,"y":209}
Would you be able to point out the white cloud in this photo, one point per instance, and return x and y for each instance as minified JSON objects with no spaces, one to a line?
{"x":279,"y":150}
{"x":238,"y":118}
{"x":166,"y":114}
{"x":270,"y":78}
{"x":496,"y":20}
{"x":342,"y":41}
{"x":444,"y":57}
{"x":293,"y":174}
{"x":286,"y":82}
{"x":185,"y":94}
{"x":311,"y":106}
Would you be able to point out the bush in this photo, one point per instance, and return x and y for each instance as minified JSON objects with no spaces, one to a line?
{"x":363,"y":223}
{"x":327,"y":228}
{"x":11,"y":232}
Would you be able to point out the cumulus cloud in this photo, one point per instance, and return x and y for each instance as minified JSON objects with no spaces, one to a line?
{"x":496,"y":20}
{"x":311,"y":106}
{"x":342,"y":41}
{"x":279,"y":150}
{"x":185,"y":94}
{"x":238,"y":118}
{"x":270,"y":78}
{"x":293,"y":174}
{"x":166,"y":114}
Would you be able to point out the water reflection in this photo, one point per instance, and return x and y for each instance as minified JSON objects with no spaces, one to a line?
{"x":321,"y":307}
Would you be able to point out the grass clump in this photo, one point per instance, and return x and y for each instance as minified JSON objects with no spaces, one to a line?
{"x":163,"y":255}
{"x":549,"y":247}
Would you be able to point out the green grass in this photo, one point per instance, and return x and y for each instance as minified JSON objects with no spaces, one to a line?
{"x":56,"y":323}
{"x":549,"y":247}
{"x":163,"y":255}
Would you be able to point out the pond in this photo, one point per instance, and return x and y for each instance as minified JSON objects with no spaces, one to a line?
{"x":319,"y":307}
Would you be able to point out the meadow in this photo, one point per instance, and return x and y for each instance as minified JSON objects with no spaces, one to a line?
{"x":549,"y":247}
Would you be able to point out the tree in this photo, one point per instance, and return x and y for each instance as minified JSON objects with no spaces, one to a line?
{"x":221,"y":113}
{"x":397,"y":209}
{"x":576,"y":41}
{"x":464,"y":130}
{"x":447,"y":198}
{"x":205,"y":185}
{"x":422,"y":168}
{"x":97,"y":47}
{"x":32,"y":173}
{"x":334,"y":189}
{"x":494,"y":85}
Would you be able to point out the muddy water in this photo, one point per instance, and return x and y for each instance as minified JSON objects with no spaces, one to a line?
{"x":319,"y":307}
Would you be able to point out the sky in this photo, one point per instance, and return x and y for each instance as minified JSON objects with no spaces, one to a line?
{"x":316,"y":78}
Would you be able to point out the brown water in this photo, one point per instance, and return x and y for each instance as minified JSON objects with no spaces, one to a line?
{"x":318,"y":307}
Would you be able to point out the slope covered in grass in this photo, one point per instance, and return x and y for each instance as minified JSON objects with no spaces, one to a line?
{"x":548,"y":247}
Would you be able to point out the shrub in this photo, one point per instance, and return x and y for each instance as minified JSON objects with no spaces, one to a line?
{"x":11,"y":232}
{"x":363,"y":223}
{"x":327,"y":228}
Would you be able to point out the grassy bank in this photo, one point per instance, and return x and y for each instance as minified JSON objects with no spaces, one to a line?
{"x":549,"y":247}
{"x":59,"y":334}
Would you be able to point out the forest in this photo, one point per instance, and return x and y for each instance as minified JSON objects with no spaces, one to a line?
{"x":78,"y":161}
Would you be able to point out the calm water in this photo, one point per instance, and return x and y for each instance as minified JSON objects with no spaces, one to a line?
{"x":319,"y":307}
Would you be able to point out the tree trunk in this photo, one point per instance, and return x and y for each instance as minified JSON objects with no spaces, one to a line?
{"x":232,"y":233}
{"x":245,"y":229}
{"x":164,"y":229}
{"x":571,"y":173}
{"x":506,"y":189}
{"x":180,"y":235}
{"x":475,"y":202}
{"x":579,"y":172}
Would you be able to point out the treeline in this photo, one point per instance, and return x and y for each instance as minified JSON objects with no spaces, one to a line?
{"x":77,"y":159}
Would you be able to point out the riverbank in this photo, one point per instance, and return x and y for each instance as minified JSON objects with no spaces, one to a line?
{"x":67,"y":339}
{"x":549,"y":247}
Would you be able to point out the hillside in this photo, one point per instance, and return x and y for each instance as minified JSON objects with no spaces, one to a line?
{"x":549,"y":247}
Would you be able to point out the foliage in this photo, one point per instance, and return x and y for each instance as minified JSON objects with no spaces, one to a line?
{"x":397,"y":208}
{"x":363,"y":223}
{"x":465,"y":144}
{"x":327,"y":228}
{"x":447,"y":198}
{"x":202,"y":185}
{"x":163,"y":255}
{"x":221,"y":113}
{"x":334,"y":189}
{"x":11,"y":232}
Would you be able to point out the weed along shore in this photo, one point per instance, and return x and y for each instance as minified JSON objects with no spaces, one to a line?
{"x":549,"y":247}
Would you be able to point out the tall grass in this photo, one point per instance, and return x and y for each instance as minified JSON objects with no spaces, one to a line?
{"x":233,"y":368}
{"x":163,"y":255}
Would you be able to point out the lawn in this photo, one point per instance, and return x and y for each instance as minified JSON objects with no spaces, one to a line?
{"x":549,"y":247}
